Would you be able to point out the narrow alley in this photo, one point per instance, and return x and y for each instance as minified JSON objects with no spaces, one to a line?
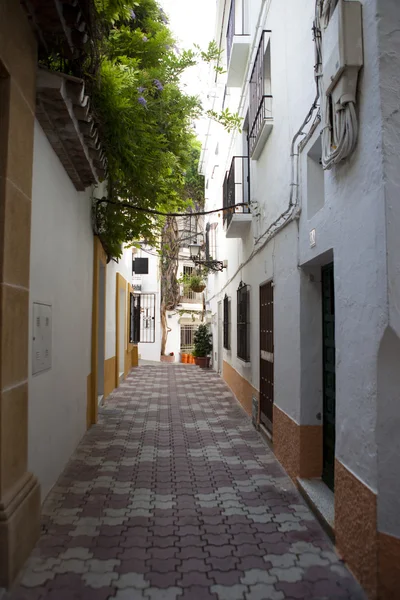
{"x":175,"y":495}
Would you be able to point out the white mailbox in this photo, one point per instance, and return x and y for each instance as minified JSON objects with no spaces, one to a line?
{"x":41,"y":342}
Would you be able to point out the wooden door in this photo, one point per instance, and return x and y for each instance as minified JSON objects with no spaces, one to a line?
{"x":267,"y":355}
{"x":329,"y":375}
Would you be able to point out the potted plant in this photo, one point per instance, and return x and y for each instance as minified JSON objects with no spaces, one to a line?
{"x":168,"y":358}
{"x":197,"y":283}
{"x":202,"y":346}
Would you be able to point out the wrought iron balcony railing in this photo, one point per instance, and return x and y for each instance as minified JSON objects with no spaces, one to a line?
{"x":236,"y":188}
{"x":263,"y":114}
{"x":260,"y":105}
{"x":236,"y":25}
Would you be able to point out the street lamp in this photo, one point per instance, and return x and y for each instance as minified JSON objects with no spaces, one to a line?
{"x":194,"y":251}
{"x":213,"y":265}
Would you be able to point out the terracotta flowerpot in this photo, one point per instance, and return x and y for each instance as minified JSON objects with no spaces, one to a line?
{"x":167,"y":359}
{"x":192,"y":360}
{"x":202,"y":361}
{"x":184,"y":358}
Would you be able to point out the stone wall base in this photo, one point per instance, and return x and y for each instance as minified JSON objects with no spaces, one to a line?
{"x":297,"y":447}
{"x":242,"y":389}
{"x":19,"y":529}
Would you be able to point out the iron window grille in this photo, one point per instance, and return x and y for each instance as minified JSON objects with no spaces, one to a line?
{"x":188,"y":295}
{"x":260,"y":106}
{"x":236,"y":188}
{"x":187,"y":338}
{"x":213,"y":241}
{"x":188,"y":226}
{"x":227,"y":323}
{"x":243,"y":322}
{"x":142,"y":318}
{"x":236,"y":24}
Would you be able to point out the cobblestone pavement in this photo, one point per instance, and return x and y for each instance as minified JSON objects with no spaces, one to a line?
{"x":174,"y":495}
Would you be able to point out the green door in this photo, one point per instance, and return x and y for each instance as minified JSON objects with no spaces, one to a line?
{"x":329,"y":375}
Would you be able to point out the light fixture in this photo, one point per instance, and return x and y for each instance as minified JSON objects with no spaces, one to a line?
{"x":195,"y":255}
{"x":194,"y":251}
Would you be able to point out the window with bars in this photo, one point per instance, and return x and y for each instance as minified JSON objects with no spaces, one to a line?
{"x":188,"y":295}
{"x":188,"y":229}
{"x":243,"y":322}
{"x":260,"y":105}
{"x":227,"y":323}
{"x":213,"y":241}
{"x":187,"y":338}
{"x":142,"y":318}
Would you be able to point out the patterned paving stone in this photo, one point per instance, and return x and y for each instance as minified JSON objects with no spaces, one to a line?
{"x":174,"y":496}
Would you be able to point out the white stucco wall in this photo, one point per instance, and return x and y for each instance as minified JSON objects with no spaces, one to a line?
{"x":388,"y":423}
{"x":352,"y":225}
{"x":61,"y":275}
{"x":354,"y":228}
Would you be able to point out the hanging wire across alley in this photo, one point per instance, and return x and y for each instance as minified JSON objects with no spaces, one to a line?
{"x":153,"y":211}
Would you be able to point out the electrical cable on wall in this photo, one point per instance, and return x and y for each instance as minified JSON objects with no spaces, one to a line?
{"x":338,"y":41}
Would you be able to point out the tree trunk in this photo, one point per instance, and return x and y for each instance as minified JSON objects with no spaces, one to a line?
{"x":164,"y":328}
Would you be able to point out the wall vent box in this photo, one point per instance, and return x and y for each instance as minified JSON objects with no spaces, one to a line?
{"x":342,"y":43}
{"x":141,"y":266}
{"x":41,"y":341}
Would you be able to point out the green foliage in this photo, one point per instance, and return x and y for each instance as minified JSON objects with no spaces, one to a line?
{"x":145,"y":121}
{"x":194,"y":182}
{"x":202,"y":341}
{"x":144,"y":117}
{"x":194,"y":281}
{"x":197,"y":282}
{"x":230,"y":121}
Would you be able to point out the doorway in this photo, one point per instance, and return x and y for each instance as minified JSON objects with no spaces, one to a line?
{"x":97,"y":383}
{"x":329,"y":374}
{"x":267,"y":355}
{"x":220,"y":338}
{"x":101,"y":317}
{"x":121,"y":332}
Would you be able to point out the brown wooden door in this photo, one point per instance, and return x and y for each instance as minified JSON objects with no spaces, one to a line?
{"x":267,"y":355}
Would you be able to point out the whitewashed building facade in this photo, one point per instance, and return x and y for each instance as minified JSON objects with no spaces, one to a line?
{"x":306,"y":316}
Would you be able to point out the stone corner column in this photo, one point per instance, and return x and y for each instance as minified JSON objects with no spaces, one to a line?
{"x":19,"y":490}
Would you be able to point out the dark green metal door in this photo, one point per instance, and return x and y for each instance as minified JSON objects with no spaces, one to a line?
{"x":329,"y":374}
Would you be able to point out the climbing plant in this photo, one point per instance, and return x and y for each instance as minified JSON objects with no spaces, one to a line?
{"x":145,"y":121}
{"x":174,"y":235}
{"x":132,"y":68}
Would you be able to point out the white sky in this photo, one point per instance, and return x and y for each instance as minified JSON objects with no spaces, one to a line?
{"x":192,"y":22}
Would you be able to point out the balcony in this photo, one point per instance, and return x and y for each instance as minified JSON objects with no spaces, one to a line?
{"x":237,"y":191}
{"x":188,"y":296}
{"x":260,"y":109}
{"x":237,"y":44}
{"x":261,"y":128}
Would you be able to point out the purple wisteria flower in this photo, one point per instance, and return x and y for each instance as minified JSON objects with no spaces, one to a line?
{"x":145,"y":39}
{"x":158,"y":85}
{"x":163,"y":17}
{"x":133,"y":15}
{"x":141,"y":89}
{"x":142,"y":101}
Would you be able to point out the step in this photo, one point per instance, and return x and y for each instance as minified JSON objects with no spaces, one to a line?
{"x":321,"y":500}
